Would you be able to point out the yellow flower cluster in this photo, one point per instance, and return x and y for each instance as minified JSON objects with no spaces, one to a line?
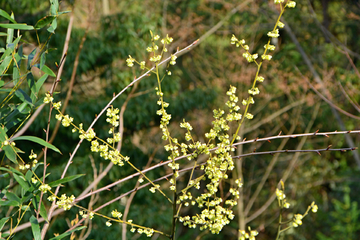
{"x":44,"y":188}
{"x":248,"y":235}
{"x":154,"y":49}
{"x":65,"y":202}
{"x":89,"y":215}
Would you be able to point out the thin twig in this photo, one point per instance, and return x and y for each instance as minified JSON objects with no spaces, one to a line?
{"x":327,"y":100}
{"x":270,"y":167}
{"x":354,"y":104}
{"x":291,"y":166}
{"x":272,"y":116}
{"x":239,"y":156}
{"x":66,"y":47}
{"x":58,"y":211}
{"x":73,"y":74}
{"x":317,"y":78}
{"x":132,"y":195}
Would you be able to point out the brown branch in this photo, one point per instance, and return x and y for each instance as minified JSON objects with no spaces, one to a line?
{"x":317,"y":78}
{"x":274,"y":115}
{"x":270,"y":167}
{"x":327,"y":100}
{"x":239,"y":156}
{"x":86,"y":231}
{"x":354,"y":104}
{"x":73,"y":75}
{"x":219,"y":24}
{"x":132,"y":195}
{"x":66,"y":47}
{"x":115,"y":97}
{"x":58,"y":211}
{"x":295,"y":151}
{"x":328,"y":34}
{"x":290,"y":167}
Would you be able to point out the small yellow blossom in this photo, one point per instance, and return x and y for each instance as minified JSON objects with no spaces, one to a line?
{"x":314,"y":208}
{"x":116,"y":214}
{"x":291,"y":4}
{"x":48,"y":98}
{"x":57,"y":105}
{"x":44,"y":188}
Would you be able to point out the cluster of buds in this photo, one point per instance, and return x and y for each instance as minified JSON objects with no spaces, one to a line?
{"x":248,"y":235}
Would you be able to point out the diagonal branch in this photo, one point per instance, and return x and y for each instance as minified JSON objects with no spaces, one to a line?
{"x":270,"y":167}
{"x":327,"y":100}
{"x":290,"y":168}
{"x":272,"y":116}
{"x":318,"y":80}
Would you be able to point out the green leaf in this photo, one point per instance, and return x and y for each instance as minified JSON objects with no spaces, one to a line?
{"x":4,"y":175}
{"x":37,"y":140}
{"x":16,"y":70}
{"x":3,"y":221}
{"x":47,"y":70}
{"x":32,"y":86}
{"x":41,"y":81}
{"x":13,"y":170}
{"x":28,"y":195}
{"x":44,"y":21}
{"x":10,"y":153}
{"x":14,"y":44}
{"x":30,"y":58}
{"x":12,"y":197}
{"x":21,"y":180}
{"x":61,"y":13}
{"x":43,"y":213}
{"x":6,"y":53}
{"x":3,"y":135}
{"x":64,"y":180}
{"x":9,"y":203}
{"x":29,"y":174}
{"x":67,"y":233}
{"x":54,"y":8}
{"x":53,"y":26}
{"x":21,"y":26}
{"x":5,"y":65}
{"x":10,"y":34}
{"x":7,"y":16}
{"x":3,"y":34}
{"x":23,"y":96}
{"x":35,"y":228}
{"x":43,"y":59}
{"x":5,"y":169}
{"x":11,"y":120}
